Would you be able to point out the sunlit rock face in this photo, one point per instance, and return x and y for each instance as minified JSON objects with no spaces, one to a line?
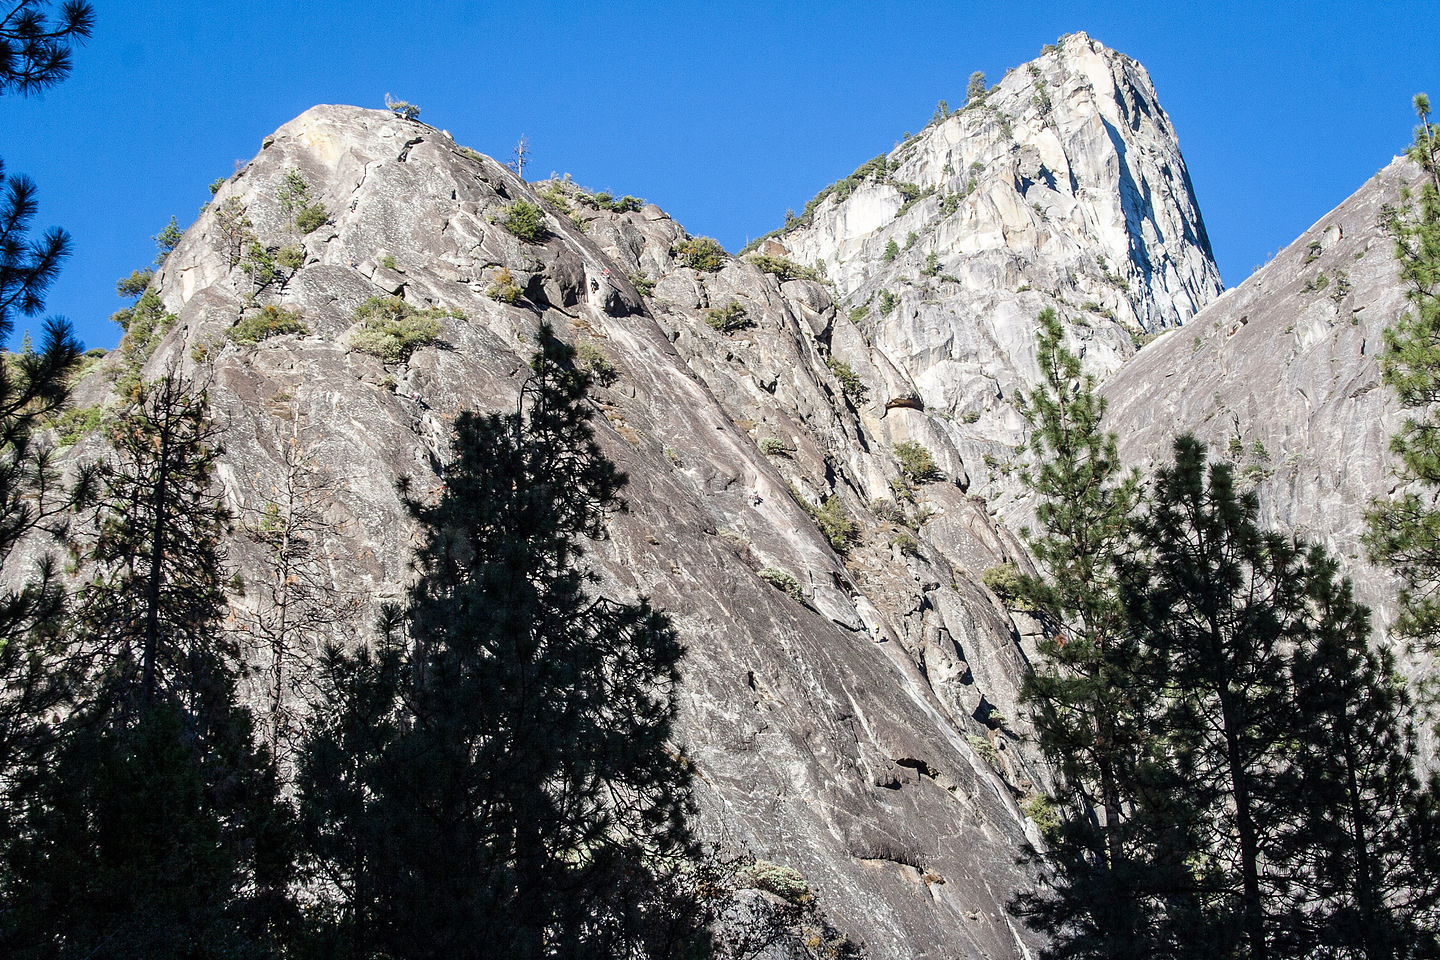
{"x":865,"y":730}
{"x":861,"y":733}
{"x":1063,"y":187}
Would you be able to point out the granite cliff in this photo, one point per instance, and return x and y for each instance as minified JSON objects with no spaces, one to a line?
{"x":1062,"y":187}
{"x":850,"y":695}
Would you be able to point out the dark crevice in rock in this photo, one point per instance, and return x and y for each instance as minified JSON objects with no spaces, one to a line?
{"x":919,"y":766}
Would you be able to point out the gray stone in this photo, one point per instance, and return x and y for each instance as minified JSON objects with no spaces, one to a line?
{"x":815,"y":746}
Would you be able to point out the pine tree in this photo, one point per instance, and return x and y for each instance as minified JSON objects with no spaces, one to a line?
{"x":34,"y":48}
{"x":1364,"y":850}
{"x":515,"y":789}
{"x":298,"y":604}
{"x":35,"y":682}
{"x":1290,"y":738}
{"x":159,"y":831}
{"x":34,"y":504}
{"x":1105,"y":861}
{"x":1404,"y":532}
{"x":976,"y":88}
{"x":1215,"y":606}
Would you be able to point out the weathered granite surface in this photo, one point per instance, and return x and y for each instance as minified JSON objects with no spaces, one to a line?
{"x":1064,"y":187}
{"x":867,"y":734}
{"x":858,"y":736}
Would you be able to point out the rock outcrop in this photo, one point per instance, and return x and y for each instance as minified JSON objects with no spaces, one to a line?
{"x":856,"y":731}
{"x":850,"y":694}
{"x":1062,"y":187}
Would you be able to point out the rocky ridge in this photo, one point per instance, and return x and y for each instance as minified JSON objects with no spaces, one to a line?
{"x":851,"y":688}
{"x":853,"y":731}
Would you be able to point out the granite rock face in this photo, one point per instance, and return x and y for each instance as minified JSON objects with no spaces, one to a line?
{"x":1063,"y":187}
{"x":857,"y":733}
{"x":866,"y":731}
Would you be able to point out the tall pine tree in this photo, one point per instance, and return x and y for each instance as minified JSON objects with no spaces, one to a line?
{"x":297,"y":602}
{"x":1290,"y":738}
{"x":1364,"y":851}
{"x":158,"y":832}
{"x":1214,"y":606}
{"x":1108,"y":867}
{"x":34,"y":54}
{"x":1404,"y":532}
{"x":500,"y":784}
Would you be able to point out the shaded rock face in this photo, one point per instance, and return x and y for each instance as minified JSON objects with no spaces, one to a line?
{"x":1064,"y":187}
{"x":859,"y":735}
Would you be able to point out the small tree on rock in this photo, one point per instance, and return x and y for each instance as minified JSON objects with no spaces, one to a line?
{"x":975,"y":89}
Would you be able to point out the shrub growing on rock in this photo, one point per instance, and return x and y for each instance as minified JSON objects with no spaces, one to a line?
{"x":729,"y":318}
{"x":786,"y":883}
{"x":774,"y":447}
{"x":907,"y":544}
{"x":850,"y":383}
{"x":834,"y":523}
{"x":626,"y":204}
{"x":781,"y":581}
{"x":297,"y":204}
{"x":554,"y":195}
{"x":311,"y":218}
{"x":290,"y":258}
{"x":270,"y":321}
{"x":594,"y":362}
{"x":401,"y":108}
{"x":392,"y":329}
{"x":1007,"y":582}
{"x":504,"y":288}
{"x":700,"y":253}
{"x":916,"y":462}
{"x":525,"y":220}
{"x":783,"y":268}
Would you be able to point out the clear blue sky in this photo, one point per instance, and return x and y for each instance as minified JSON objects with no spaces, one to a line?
{"x":724,"y":114}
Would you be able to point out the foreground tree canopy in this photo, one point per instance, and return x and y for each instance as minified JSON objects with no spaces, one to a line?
{"x":1233,"y":761}
{"x":498,"y":772}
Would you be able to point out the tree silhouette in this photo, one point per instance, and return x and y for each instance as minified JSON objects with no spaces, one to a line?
{"x":159,"y":830}
{"x":35,"y":48}
{"x":1111,"y":854}
{"x":34,"y":505}
{"x":502,"y":776}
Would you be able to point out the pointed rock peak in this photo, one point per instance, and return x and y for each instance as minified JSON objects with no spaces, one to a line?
{"x":1062,"y":186}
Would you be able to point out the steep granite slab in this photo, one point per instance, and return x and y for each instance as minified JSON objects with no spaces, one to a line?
{"x":858,"y":733}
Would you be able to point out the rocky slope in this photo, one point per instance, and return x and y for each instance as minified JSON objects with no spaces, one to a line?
{"x":1062,"y":187}
{"x":859,"y":728}
{"x":855,"y":732}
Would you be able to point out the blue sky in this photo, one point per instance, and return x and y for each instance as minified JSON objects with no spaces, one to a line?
{"x":725,"y":115}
